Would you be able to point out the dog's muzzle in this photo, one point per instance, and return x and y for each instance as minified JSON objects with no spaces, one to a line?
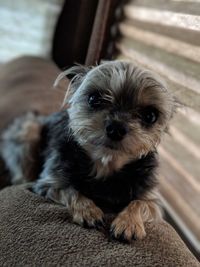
{"x":116,"y":130}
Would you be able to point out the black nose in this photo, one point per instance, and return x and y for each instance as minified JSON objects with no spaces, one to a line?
{"x":116,"y":130}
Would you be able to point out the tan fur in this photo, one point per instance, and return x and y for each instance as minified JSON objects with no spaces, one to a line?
{"x":23,"y":136}
{"x":80,"y":208}
{"x":108,"y":164}
{"x":84,"y":209}
{"x":130,"y":222}
{"x":25,"y":129}
{"x":30,"y":131}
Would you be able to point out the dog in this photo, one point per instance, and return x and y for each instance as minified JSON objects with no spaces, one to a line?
{"x":99,"y":152}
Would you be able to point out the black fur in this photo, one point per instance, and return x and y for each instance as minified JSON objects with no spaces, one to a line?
{"x":69,"y":163}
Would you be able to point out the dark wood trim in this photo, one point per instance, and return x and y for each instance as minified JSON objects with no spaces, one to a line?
{"x":101,"y":32}
{"x":73,"y":31}
{"x":172,"y":222}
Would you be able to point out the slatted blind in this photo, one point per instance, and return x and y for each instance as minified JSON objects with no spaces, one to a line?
{"x":164,"y":36}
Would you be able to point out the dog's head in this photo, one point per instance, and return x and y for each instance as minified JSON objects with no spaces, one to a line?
{"x":118,"y":111}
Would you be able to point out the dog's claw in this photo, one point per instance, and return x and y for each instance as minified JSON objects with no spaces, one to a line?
{"x":87,"y":225}
{"x":134,"y":237}
{"x":119,"y":237}
{"x":100,"y":224}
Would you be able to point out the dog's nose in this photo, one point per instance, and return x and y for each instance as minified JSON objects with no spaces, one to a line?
{"x":116,"y":130}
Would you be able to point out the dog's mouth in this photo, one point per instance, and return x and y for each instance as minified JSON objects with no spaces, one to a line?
{"x":113,"y":145}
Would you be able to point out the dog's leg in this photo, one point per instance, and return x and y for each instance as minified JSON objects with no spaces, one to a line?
{"x":82,"y":209}
{"x":19,"y":144}
{"x":129,"y":223}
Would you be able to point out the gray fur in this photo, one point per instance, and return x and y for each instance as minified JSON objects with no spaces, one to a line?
{"x":18,"y":146}
{"x":128,"y":86}
{"x":127,"y":90}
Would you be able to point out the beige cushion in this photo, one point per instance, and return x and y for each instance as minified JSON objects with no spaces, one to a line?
{"x":36,"y":232}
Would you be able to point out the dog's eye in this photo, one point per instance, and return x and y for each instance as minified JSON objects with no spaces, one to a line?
{"x":95,"y":100}
{"x":149,"y":115}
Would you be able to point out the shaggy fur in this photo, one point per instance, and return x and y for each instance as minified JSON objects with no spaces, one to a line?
{"x":99,"y":153}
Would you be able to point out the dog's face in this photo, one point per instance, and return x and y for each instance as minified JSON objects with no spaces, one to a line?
{"x":116,"y":109}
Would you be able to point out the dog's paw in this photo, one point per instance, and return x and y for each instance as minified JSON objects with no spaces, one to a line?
{"x":126,"y":228}
{"x":88,"y":215}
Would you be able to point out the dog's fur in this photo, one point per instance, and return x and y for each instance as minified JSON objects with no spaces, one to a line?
{"x":84,"y":168}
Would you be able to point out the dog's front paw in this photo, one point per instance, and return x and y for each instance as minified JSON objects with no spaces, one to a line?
{"x":82,"y":210}
{"x":129,"y":223}
{"x":126,"y":228}
{"x":87,"y":214}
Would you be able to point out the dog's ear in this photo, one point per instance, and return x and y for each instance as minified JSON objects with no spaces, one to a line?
{"x":76,"y":75}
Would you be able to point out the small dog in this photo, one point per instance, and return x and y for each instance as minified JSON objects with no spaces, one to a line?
{"x":100,"y":151}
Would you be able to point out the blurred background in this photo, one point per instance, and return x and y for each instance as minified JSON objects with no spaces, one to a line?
{"x":162,"y":35}
{"x":27,"y":27}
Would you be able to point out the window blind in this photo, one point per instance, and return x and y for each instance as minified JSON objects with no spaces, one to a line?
{"x":164,"y":36}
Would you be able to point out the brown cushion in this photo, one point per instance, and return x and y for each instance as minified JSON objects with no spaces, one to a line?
{"x":35,"y":232}
{"x":27,"y":84}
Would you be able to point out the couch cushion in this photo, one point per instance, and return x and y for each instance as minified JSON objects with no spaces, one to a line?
{"x":27,"y":84}
{"x":36,"y":232}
